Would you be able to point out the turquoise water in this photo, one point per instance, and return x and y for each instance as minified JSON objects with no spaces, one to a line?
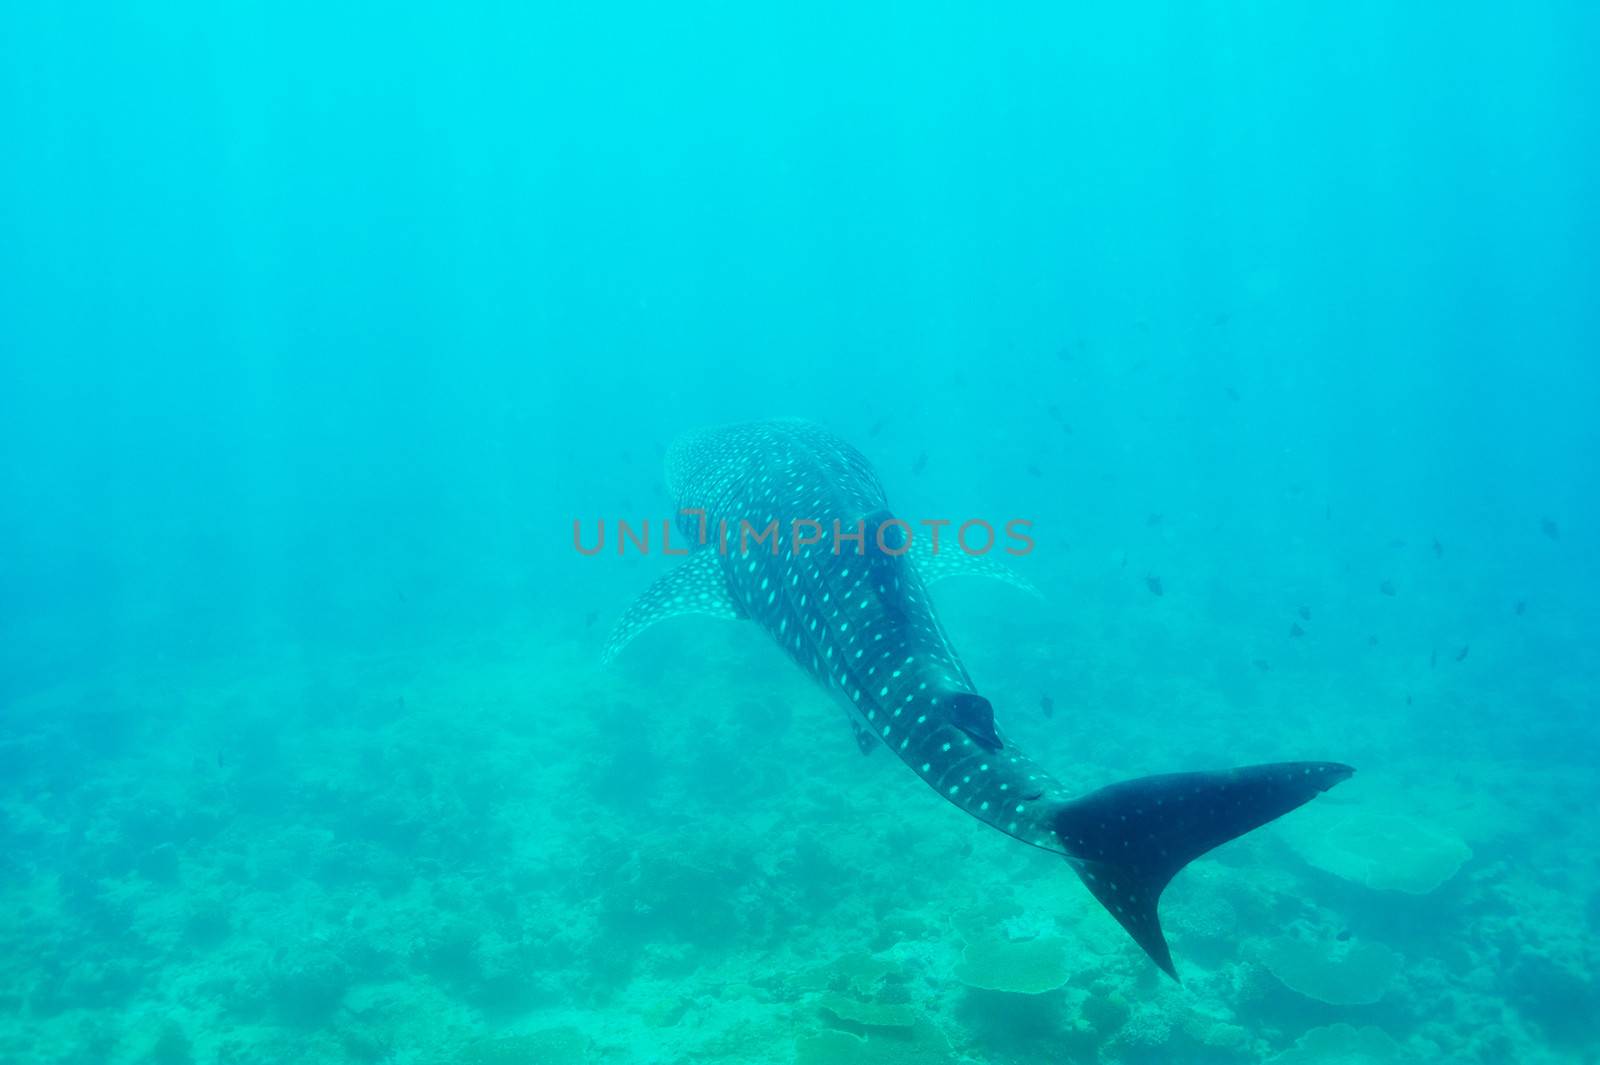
{"x":319,"y":329}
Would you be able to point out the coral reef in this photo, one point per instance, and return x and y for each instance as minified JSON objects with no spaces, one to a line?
{"x":1342,"y":1044}
{"x":433,"y":876}
{"x":1346,"y":973}
{"x":1384,"y":851}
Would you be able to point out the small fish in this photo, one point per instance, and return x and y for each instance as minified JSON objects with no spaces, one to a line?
{"x":1154,"y":584}
{"x":1344,"y":936}
{"x":1047,"y":706}
{"x":1438,"y":548}
{"x":1053,"y":412}
{"x":1521,"y":607}
{"x":1372,"y":641}
{"x":921,"y":464}
{"x":1550,"y":528}
{"x":1124,"y":561}
{"x":1262,"y":664}
{"x":1387,"y":587}
{"x":590,"y":618}
{"x":1222,"y":318}
{"x":1233,"y":393}
{"x":1295,"y":630}
{"x":1305,"y":613}
{"x":877,"y":427}
{"x":1398,"y":541}
{"x":1408,"y":698}
{"x":1033,"y":471}
{"x":1152,"y":521}
{"x":1433,"y":659}
{"x":1461,"y":654}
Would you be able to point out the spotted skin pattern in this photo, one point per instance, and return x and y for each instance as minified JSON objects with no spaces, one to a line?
{"x":859,"y":621}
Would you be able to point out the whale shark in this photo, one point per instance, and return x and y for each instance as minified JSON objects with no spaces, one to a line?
{"x":792,"y":531}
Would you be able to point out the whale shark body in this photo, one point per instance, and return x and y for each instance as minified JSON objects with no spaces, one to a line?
{"x":838,"y":582}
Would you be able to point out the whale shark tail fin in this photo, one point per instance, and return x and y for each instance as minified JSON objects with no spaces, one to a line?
{"x":1127,"y":841}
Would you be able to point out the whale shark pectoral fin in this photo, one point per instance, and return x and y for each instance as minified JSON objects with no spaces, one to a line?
{"x":695,"y":587}
{"x":948,"y":562}
{"x":1127,"y":841}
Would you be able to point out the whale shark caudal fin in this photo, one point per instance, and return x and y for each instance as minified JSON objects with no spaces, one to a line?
{"x":1128,"y":840}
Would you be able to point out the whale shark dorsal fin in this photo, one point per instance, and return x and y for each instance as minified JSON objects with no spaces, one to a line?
{"x":697,"y":586}
{"x":934,"y":567}
{"x":865,"y":740}
{"x":974,"y":715}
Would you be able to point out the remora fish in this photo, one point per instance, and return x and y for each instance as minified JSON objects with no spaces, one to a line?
{"x":860,"y":622}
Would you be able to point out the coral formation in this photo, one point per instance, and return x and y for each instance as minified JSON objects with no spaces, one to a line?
{"x":1008,"y":955}
{"x":1345,"y":973}
{"x":1342,"y":1044}
{"x":1384,"y":851}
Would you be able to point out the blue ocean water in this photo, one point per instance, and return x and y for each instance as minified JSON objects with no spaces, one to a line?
{"x":320,"y":328}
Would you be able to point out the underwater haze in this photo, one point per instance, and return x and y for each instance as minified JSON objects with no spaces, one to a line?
{"x":331,"y":337}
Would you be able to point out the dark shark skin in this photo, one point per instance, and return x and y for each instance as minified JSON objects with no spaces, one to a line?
{"x":860,"y":622}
